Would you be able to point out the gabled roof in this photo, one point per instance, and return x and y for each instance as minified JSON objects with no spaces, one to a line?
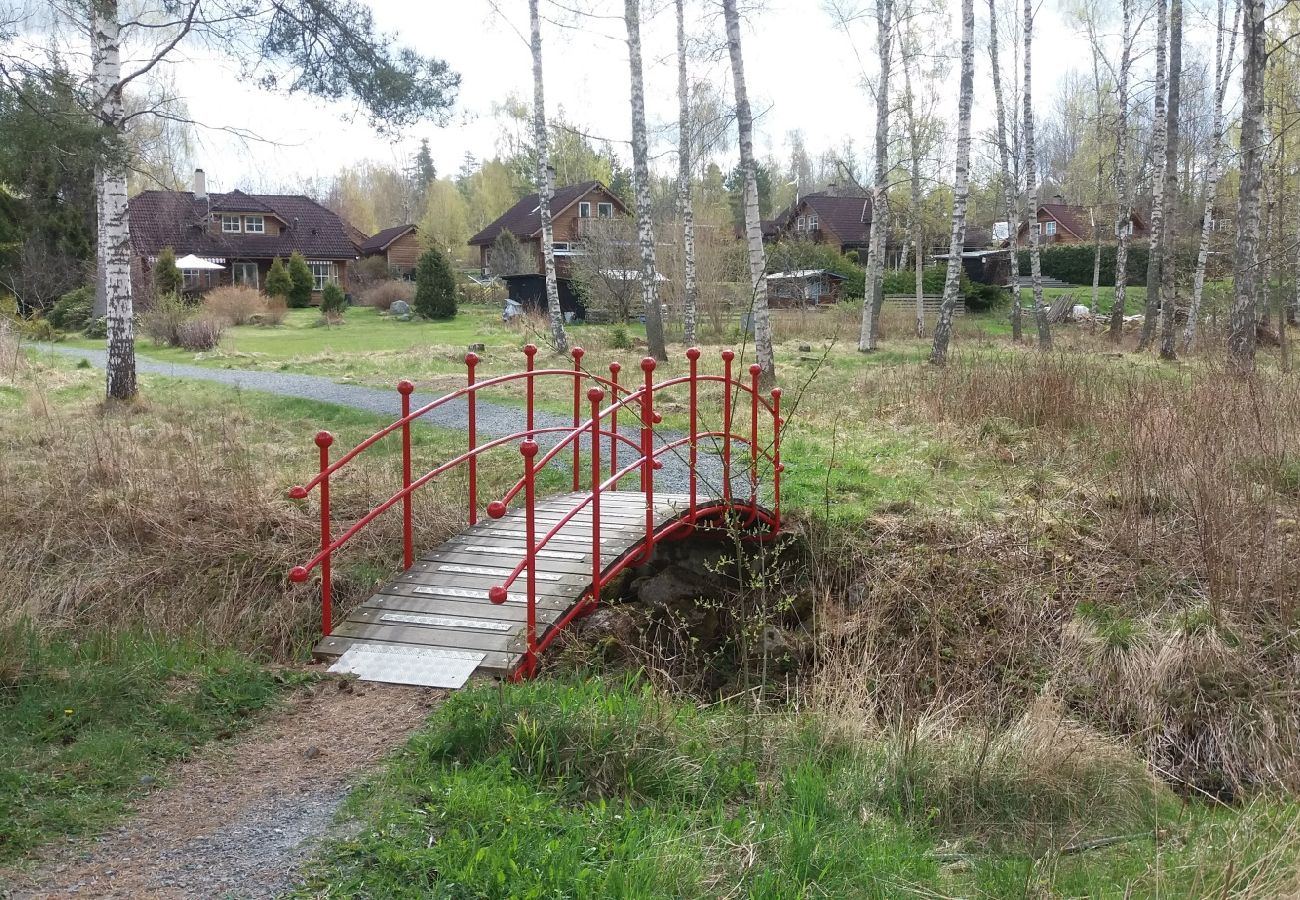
{"x":176,"y":219}
{"x":848,"y":217}
{"x":524,"y":219}
{"x":380,"y":242}
{"x":1073,"y":219}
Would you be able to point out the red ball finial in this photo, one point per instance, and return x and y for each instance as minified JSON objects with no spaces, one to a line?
{"x":595,"y":395}
{"x":298,"y":574}
{"x":496,"y":509}
{"x":528,"y":448}
{"x":776,"y":393}
{"x":324,"y":439}
{"x":578,"y":353}
{"x":755,"y":368}
{"x":648,"y":364}
{"x":728,"y":355}
{"x":471,"y":359}
{"x":693,"y":353}
{"x":405,"y":387}
{"x":530,"y":350}
{"x":297,"y":492}
{"x":615,"y":367}
{"x":497,"y":594}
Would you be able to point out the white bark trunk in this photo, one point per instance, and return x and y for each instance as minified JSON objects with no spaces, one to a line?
{"x":1009,"y":186}
{"x":114,"y":245}
{"x":1241,"y":337}
{"x":690,"y":292}
{"x":1222,"y":66}
{"x":1158,"y":141}
{"x":559,"y":339}
{"x":753,"y":226}
{"x":874,"y":294}
{"x":1168,"y":264}
{"x":1124,"y":216}
{"x":961,"y":187}
{"x":1031,"y":187}
{"x":914,"y":142}
{"x":654,"y":320}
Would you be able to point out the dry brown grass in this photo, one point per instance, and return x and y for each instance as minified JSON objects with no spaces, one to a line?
{"x":235,"y":304}
{"x":385,"y":293}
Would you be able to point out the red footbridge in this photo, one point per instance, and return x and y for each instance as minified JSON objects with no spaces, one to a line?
{"x":494,"y":597}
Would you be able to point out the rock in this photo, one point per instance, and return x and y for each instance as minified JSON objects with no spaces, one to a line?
{"x":610,"y":623}
{"x":399,"y":308}
{"x":146,"y":781}
{"x":1079,"y":312}
{"x":311,"y":752}
{"x":477,"y":348}
{"x":805,"y":348}
{"x":405,"y":318}
{"x":671,"y":587}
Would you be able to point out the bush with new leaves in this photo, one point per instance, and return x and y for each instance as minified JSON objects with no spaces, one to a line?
{"x":167,"y":279}
{"x":278,"y":282}
{"x":301,"y":282}
{"x":332,"y":301}
{"x":435,"y":286}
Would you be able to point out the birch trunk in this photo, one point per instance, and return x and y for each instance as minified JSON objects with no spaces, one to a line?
{"x":961,"y":187}
{"x":1009,"y":186}
{"x":559,"y":340}
{"x":1158,"y":187}
{"x":874,"y":294}
{"x":1222,"y":67}
{"x":753,"y":227}
{"x":1124,"y":216}
{"x":1245,"y":276}
{"x":1168,"y":264}
{"x":654,"y":320}
{"x":690,"y":291}
{"x":1031,"y":187}
{"x":114,"y":234}
{"x":914,"y":141}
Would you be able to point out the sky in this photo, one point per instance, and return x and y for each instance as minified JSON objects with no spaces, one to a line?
{"x":803,"y":72}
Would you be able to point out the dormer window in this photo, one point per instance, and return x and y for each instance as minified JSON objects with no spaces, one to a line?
{"x":255,"y":224}
{"x":230,"y":224}
{"x":1051,"y":227}
{"x":605,"y":210}
{"x":812,"y":222}
{"x":584,"y":210}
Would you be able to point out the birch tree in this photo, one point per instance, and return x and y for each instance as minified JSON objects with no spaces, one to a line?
{"x":1168,"y":262}
{"x":1222,"y":68}
{"x":1124,"y":216}
{"x":753,"y":226}
{"x":874,"y":298}
{"x":1245,"y":274}
{"x":1010,"y":189}
{"x":654,"y":321}
{"x":1031,"y":186}
{"x":914,"y":154}
{"x":690,"y":292}
{"x":545,"y":184}
{"x":1157,"y":244}
{"x":961,"y":187}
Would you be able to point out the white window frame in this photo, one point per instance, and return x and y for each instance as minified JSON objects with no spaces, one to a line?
{"x":584,"y":209}
{"x":259,"y":220}
{"x":238,"y":274}
{"x":231,"y":224}
{"x":323,"y":272}
{"x":1051,"y":228}
{"x":799,"y":224}
{"x":813,"y":224}
{"x":605,"y":210}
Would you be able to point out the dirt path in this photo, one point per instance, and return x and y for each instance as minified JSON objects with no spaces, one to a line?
{"x":238,"y":820}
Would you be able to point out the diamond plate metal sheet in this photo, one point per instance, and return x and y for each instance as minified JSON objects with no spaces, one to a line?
{"x":424,"y":666}
{"x":445,"y":621}
{"x":462,"y":593}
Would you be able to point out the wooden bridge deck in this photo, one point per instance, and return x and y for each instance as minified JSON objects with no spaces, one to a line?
{"x":434,"y":623}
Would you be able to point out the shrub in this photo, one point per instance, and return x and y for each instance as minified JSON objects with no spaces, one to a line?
{"x":162,"y":322}
{"x":368,"y":272}
{"x":983,"y":297}
{"x":491,"y":294}
{"x":275,"y":311}
{"x":903,"y":281}
{"x":167,"y":278}
{"x":435,"y":286}
{"x":278,"y":282}
{"x":332,"y":301}
{"x":96,"y":328}
{"x":386,"y":293}
{"x":301,"y":282}
{"x":234,"y":304}
{"x":199,"y":333}
{"x":73,"y":311}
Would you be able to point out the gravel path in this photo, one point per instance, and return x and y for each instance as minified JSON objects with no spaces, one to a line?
{"x":239,"y":820}
{"x":494,"y":419}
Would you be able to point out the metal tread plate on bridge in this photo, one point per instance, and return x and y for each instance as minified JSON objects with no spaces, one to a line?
{"x":424,"y":666}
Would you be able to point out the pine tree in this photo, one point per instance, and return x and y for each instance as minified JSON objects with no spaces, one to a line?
{"x":301,"y":281}
{"x":167,"y":279}
{"x":278,"y":282}
{"x":435,"y":286}
{"x":333,"y":301}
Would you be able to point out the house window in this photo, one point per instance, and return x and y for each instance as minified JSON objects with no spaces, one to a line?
{"x":244,"y":273}
{"x":1038,"y":229}
{"x":605,"y":210}
{"x":584,"y":210}
{"x":254,"y":224}
{"x":322,"y":273}
{"x":812,"y":222}
{"x":799,"y":224}
{"x":230,"y":224}
{"x":1051,"y":228}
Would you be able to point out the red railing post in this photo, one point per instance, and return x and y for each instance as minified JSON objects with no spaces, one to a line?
{"x":693,"y":354}
{"x":323,"y":441}
{"x":530,"y":351}
{"x":776,"y":458}
{"x":595,"y":395}
{"x":647,"y":452}
{"x":529,"y":451}
{"x":405,"y":388}
{"x":754,"y":370}
{"x":471,"y":360}
{"x":727,"y":357}
{"x":577,"y":412}
{"x":614,"y":369}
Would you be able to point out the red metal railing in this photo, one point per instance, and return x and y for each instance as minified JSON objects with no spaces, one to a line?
{"x":596,"y":424}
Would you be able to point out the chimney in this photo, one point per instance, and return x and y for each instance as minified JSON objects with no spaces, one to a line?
{"x":833,"y":189}
{"x":200,"y":185}
{"x":1058,"y":199}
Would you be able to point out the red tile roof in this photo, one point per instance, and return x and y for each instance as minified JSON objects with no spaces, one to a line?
{"x":381,"y":241}
{"x":1073,"y":219}
{"x":848,"y":217}
{"x":176,"y":219}
{"x":524,"y":220}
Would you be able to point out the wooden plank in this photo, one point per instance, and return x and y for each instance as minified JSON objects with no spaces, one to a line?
{"x":450,"y":606}
{"x":546,"y":566}
{"x":334,"y":645}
